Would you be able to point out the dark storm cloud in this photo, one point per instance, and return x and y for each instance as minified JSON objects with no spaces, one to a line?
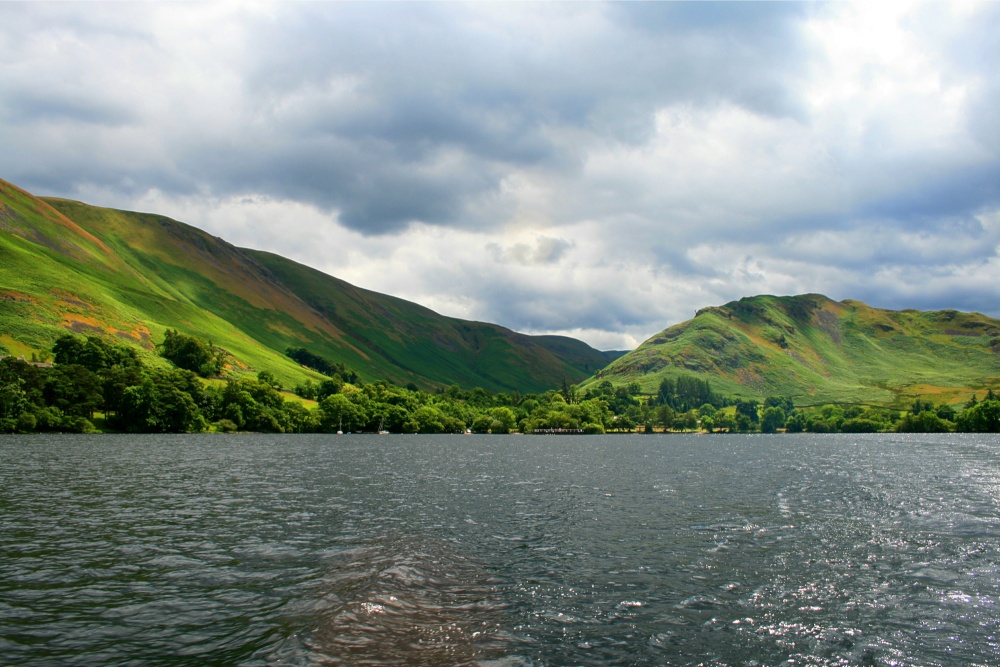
{"x":552,"y":166}
{"x":386,"y":91}
{"x":395,"y":113}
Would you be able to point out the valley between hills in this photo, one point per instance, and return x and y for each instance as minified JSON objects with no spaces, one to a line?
{"x":68,"y":267}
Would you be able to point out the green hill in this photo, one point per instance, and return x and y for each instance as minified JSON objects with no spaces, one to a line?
{"x":816,"y":350}
{"x":65,"y":265}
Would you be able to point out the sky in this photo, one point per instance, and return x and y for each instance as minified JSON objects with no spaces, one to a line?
{"x":599,"y":170}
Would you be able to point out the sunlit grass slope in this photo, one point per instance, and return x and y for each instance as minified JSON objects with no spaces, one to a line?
{"x":65,"y":265}
{"x":379,"y":329}
{"x":817,"y":350}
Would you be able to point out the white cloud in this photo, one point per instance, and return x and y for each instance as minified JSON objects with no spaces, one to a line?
{"x":604,"y":169}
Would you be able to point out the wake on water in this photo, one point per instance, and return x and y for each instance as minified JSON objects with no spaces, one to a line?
{"x":407,"y":600}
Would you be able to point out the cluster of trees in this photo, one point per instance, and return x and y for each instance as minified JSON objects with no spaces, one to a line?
{"x":191,"y":354}
{"x":779,"y":414}
{"x":383,"y":406}
{"x":923,"y":417}
{"x":321,"y":364}
{"x":94,"y":379}
{"x":686,"y":393}
{"x":92,"y":376}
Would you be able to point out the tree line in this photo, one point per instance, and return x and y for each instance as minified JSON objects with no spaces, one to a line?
{"x":95,"y":382}
{"x":778,"y":414}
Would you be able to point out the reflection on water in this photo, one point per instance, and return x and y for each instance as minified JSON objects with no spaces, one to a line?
{"x":404,"y":600}
{"x":500,"y":552}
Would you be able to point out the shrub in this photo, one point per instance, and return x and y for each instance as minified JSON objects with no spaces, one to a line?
{"x":26,"y":422}
{"x":225,"y":426}
{"x":859,"y":426}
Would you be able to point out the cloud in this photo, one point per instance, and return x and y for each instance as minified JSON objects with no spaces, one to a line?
{"x":598,"y":168}
{"x":391,"y":114}
{"x":541,"y":250}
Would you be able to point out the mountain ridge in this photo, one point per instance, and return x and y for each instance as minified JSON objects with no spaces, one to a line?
{"x":133,"y":275}
{"x":816,"y":350}
{"x":66,"y":265}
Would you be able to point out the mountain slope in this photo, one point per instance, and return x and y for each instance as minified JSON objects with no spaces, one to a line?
{"x":425,"y":344}
{"x":816,"y":350}
{"x":65,"y":265}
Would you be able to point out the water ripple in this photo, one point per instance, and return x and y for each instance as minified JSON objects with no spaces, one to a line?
{"x":501,"y":552}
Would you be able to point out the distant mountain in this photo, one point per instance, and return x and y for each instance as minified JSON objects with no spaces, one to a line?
{"x":65,"y":265}
{"x":817,"y":350}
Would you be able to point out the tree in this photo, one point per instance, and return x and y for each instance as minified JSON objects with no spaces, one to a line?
{"x":782,"y":402}
{"x":337,"y":412}
{"x":190,"y":353}
{"x":157,"y":406}
{"x":624,"y":423}
{"x":945,"y":411}
{"x":306,"y":390}
{"x":742,"y":423}
{"x":666,"y":392}
{"x":26,"y":422}
{"x":833,"y":415}
{"x":796,"y":423}
{"x":724,"y":422}
{"x":68,"y":349}
{"x":427,"y":419}
{"x":321,"y":364}
{"x":925,"y":421}
{"x":503,"y":420}
{"x":176,"y":411}
{"x":114,"y":382}
{"x":981,"y":418}
{"x":481,"y":424}
{"x":568,"y":391}
{"x":686,"y":392}
{"x":686,"y":421}
{"x":665,"y":416}
{"x":268,"y":378}
{"x":74,"y":390}
{"x":772,"y":420}
{"x":329,"y":388}
{"x":817,"y":424}
{"x":748,"y":408}
{"x":13,"y":400}
{"x":252,"y":405}
{"x":93,"y":353}
{"x":859,"y":425}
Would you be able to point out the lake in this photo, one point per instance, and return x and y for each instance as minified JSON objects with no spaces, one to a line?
{"x":500,"y":551}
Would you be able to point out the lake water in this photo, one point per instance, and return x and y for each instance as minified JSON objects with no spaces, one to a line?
{"x":500,"y":551}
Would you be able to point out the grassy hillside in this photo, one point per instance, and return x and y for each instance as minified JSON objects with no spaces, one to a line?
{"x":65,"y":265}
{"x":816,"y":351}
{"x":404,"y":336}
